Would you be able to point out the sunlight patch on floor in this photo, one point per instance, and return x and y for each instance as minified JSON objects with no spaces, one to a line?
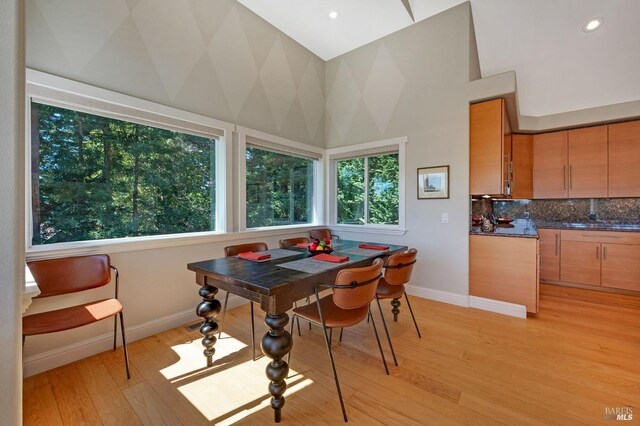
{"x":192,"y":360}
{"x":234,"y":388}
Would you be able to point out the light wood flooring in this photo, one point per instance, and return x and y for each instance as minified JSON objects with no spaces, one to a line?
{"x":579,"y":355}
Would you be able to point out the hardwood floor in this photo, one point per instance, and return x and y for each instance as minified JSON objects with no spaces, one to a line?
{"x":578,"y":356}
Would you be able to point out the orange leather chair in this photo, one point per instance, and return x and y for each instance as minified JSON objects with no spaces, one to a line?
{"x":397,"y":272}
{"x":347,"y":306}
{"x":321,"y":234}
{"x":290,"y":242}
{"x":69,"y":275}
{"x":232,"y":251}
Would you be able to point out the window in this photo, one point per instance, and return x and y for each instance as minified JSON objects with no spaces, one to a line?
{"x":279,"y":181}
{"x":368,"y":190}
{"x":108,"y":168}
{"x":366,"y":186}
{"x":94,"y":177}
{"x":279,"y":189}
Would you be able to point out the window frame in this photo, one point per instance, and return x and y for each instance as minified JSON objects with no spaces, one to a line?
{"x":269,"y":142}
{"x":61,"y":92}
{"x":368,"y":149}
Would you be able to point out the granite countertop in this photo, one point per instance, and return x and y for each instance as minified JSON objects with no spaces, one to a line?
{"x":591,"y":226}
{"x":523,"y":228}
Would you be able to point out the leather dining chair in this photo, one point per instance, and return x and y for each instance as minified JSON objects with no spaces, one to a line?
{"x":233,"y":251}
{"x":321,"y":234}
{"x":397,"y":272}
{"x":347,"y":306}
{"x":291,"y":242}
{"x":70,"y":275}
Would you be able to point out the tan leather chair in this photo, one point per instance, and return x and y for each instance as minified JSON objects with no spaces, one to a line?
{"x":291,"y":242}
{"x":321,"y":234}
{"x":397,"y":272}
{"x":70,"y":275}
{"x":233,"y":251}
{"x":347,"y":306}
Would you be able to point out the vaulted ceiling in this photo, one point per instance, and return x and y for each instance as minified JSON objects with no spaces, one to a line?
{"x":559,"y":68}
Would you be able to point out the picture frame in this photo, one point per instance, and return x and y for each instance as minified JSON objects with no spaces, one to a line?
{"x":433,"y":182}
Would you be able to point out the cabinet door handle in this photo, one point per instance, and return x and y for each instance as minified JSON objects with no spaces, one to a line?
{"x":570,"y":178}
{"x":604,"y":252}
{"x":598,"y":252}
{"x":557,"y":240}
{"x":564,"y":177}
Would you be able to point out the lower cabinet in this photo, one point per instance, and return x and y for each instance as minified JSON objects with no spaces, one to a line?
{"x":621,"y":266}
{"x":580,"y":262}
{"x":596,"y":258}
{"x":549,"y":254}
{"x":504,"y":268}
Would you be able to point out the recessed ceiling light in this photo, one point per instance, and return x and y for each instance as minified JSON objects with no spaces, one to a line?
{"x":593,"y":24}
{"x":333,"y":14}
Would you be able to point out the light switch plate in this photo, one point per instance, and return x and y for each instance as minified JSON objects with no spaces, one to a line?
{"x":445,"y":218}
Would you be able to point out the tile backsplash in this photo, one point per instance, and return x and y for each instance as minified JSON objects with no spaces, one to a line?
{"x":617,"y":210}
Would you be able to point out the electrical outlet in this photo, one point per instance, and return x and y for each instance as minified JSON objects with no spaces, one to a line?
{"x":445,"y":218}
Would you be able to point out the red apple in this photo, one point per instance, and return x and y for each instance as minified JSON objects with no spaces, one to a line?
{"x":327,"y":240}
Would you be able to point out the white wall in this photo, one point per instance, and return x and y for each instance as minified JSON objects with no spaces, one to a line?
{"x":432,"y":65}
{"x":11,"y":208}
{"x":414,"y":83}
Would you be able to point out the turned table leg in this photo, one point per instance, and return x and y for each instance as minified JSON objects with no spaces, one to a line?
{"x":395,"y":303}
{"x":208,"y":309}
{"x":277,"y":343}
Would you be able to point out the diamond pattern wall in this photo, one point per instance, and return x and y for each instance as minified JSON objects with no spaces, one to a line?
{"x":214,"y":58}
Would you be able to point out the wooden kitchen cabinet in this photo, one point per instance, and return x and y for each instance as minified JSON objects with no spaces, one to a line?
{"x":522,"y":166}
{"x":488,"y":126}
{"x":550,"y":151}
{"x":624,"y":159}
{"x":621,"y":266}
{"x":580,"y":262}
{"x":549,"y":254}
{"x":571,"y":164}
{"x":504,"y":268}
{"x":588,"y":162}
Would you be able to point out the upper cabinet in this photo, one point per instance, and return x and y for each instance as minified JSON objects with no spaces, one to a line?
{"x":490,"y":149}
{"x":624,"y":159}
{"x":570,"y":164}
{"x":550,"y":165}
{"x":588,"y":162}
{"x":521,"y":167}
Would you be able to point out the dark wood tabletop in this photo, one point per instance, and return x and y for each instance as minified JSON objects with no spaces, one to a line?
{"x":275,"y":288}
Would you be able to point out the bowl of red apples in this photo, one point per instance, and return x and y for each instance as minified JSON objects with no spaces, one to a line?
{"x":320,"y":246}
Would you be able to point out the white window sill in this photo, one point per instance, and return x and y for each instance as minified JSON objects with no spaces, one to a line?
{"x":30,"y":290}
{"x":122,"y":245}
{"x":369,"y":229}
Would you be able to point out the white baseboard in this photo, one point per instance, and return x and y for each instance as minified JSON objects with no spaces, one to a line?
{"x":439,"y":295}
{"x":60,"y":356}
{"x":497,"y":306}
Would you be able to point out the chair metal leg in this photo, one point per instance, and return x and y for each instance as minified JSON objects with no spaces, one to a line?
{"x":375,"y":330}
{"x":386,"y":330}
{"x":115,"y":330}
{"x":341,"y":330}
{"x":297,"y":319}
{"x":309,"y":301}
{"x":331,"y":337}
{"x":335,"y":372}
{"x":291,"y":333}
{"x":124,"y":345}
{"x":224,"y":315}
{"x":412,"y":316}
{"x":253,"y":334}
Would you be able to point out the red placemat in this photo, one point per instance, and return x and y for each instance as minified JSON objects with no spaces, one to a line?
{"x":331,"y":258}
{"x":373,"y":247}
{"x":249,"y":255}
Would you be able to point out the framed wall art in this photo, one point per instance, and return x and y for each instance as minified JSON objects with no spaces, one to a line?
{"x":433,"y":182}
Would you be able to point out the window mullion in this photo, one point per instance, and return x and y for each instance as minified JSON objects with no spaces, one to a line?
{"x":366,"y":190}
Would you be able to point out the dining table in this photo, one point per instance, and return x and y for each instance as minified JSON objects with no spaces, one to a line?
{"x":288,"y":275}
